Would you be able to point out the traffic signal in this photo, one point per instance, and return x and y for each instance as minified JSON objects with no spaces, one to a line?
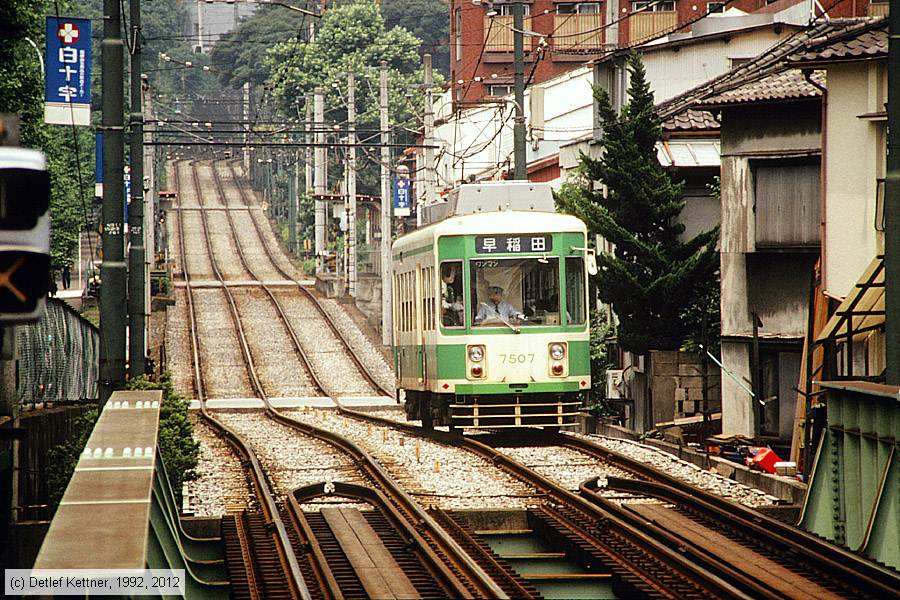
{"x":24,"y":234}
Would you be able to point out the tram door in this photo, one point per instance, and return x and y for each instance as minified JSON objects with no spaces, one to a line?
{"x":420,"y":325}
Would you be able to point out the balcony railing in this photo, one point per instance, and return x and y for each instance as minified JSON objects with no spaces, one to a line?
{"x":500,"y":34}
{"x":878,"y":9}
{"x":577,"y":32}
{"x":645,"y":25}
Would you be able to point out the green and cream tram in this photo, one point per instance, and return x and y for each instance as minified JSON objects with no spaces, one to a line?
{"x":490,"y":310}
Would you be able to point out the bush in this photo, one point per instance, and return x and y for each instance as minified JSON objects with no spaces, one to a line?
{"x":600,"y":362}
{"x":62,"y":458}
{"x":179,"y":450}
{"x":309,"y":266}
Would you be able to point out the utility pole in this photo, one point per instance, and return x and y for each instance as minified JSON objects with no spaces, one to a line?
{"x":519,"y":64}
{"x":308,"y":151}
{"x":892,"y":206}
{"x":112,"y":270}
{"x":430,"y":175}
{"x":386,"y":205}
{"x":137,"y":323}
{"x":351,"y":184}
{"x":319,"y":183}
{"x":246,"y":124}
{"x":200,"y":25}
{"x":292,"y":205}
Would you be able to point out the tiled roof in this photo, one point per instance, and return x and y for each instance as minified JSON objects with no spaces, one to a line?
{"x":691,"y":120}
{"x":777,"y":59}
{"x":868,"y":44}
{"x":786,"y":85}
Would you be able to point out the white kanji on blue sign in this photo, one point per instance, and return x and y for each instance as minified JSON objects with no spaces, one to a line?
{"x":402,"y":197}
{"x":67,"y":88}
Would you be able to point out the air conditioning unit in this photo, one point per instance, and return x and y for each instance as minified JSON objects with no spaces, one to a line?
{"x":614,"y":383}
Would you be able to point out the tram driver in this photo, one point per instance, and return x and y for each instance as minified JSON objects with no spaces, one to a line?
{"x":497,"y":309}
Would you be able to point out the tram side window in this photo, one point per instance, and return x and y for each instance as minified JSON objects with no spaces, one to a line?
{"x":575,"y":309}
{"x":452,"y":304}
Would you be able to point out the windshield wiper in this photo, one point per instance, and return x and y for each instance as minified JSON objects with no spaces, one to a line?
{"x":508,"y":324}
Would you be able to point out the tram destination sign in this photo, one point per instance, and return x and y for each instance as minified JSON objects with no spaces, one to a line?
{"x":503,"y":244}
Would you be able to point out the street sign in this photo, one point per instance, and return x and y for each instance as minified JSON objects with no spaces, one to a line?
{"x":402,"y":197}
{"x":67,"y":82}
{"x":24,"y":235}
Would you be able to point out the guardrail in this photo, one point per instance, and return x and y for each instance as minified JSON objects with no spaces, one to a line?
{"x":118,"y":511}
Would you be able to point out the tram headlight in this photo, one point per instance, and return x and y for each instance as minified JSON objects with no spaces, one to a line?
{"x":476,"y":353}
{"x":557,"y":351}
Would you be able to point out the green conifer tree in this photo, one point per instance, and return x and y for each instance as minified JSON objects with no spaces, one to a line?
{"x":653,"y":280}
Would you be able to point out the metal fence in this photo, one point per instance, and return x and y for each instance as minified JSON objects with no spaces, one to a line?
{"x":58,"y":357}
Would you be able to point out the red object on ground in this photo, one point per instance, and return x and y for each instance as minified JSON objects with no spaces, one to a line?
{"x":765,"y":460}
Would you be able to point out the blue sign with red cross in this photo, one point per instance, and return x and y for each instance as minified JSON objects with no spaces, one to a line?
{"x":67,"y":87}
{"x":402,"y":197}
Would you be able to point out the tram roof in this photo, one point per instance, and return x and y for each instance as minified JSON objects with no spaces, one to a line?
{"x":495,"y":222}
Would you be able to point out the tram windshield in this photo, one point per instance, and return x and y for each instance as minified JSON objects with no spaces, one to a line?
{"x":515,"y":291}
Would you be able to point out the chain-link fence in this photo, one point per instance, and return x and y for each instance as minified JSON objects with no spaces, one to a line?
{"x":58,"y":357}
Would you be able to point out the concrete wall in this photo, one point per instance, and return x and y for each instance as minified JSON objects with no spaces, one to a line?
{"x":677,"y":384}
{"x":854,"y":159}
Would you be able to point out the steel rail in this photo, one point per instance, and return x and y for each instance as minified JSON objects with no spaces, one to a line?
{"x":795,"y":543}
{"x":468,"y":580}
{"x":590,"y":512}
{"x":329,"y":320}
{"x":270,"y":509}
{"x":376,"y":498}
{"x":854,"y":569}
{"x":720,"y":585}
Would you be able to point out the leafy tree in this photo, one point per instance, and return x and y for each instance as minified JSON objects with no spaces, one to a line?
{"x":241,"y":53}
{"x":653,"y":280}
{"x":428,"y":20}
{"x":179,"y":450}
{"x":352,"y":38}
{"x":21,"y":92}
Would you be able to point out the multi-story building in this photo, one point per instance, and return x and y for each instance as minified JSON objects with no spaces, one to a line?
{"x":563,"y":35}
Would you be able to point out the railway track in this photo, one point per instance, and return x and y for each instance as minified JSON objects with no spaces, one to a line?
{"x":455,"y":572}
{"x":262,"y":560}
{"x":644,"y":558}
{"x":792,"y":563}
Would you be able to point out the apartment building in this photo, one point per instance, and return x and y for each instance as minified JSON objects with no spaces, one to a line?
{"x":563,"y":35}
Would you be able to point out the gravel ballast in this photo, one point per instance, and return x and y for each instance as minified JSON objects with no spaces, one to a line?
{"x":688,"y":472}
{"x":224,"y":372}
{"x":325,"y":352}
{"x":221,"y":488}
{"x":434,"y":474}
{"x":278,"y":366}
{"x":290,"y":459}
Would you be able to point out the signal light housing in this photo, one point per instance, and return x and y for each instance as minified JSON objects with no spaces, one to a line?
{"x":24,"y":234}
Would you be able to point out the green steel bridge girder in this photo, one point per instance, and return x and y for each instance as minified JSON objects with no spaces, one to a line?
{"x":854,"y":491}
{"x":170,"y":547}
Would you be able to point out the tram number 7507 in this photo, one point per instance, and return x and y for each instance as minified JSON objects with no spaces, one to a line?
{"x":514,"y":359}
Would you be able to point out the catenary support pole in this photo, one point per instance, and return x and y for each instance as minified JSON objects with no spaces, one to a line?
{"x":113,"y":291}
{"x":245,"y":105}
{"x":519,"y":65}
{"x":292,"y":206}
{"x":892,"y":205}
{"x":137,"y":321}
{"x":307,"y":152}
{"x":351,"y":185}
{"x":386,"y":205}
{"x":428,"y":197}
{"x":319,"y":182}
